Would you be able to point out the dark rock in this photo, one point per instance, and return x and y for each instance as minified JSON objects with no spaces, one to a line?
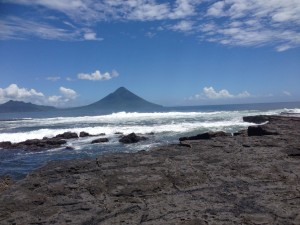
{"x":5,"y":144}
{"x":100,"y":140}
{"x":240,"y":133}
{"x":67,"y":135}
{"x":118,"y":133}
{"x":34,"y":144}
{"x":259,"y":131}
{"x":55,"y":141}
{"x":293,"y":152}
{"x":84,"y":134}
{"x":69,"y":148}
{"x":205,"y":136}
{"x":184,"y":144}
{"x":101,"y":134}
{"x":256,"y":119}
{"x":5,"y":183}
{"x":132,"y":138}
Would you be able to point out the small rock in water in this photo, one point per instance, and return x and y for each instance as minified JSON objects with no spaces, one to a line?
{"x":84,"y":134}
{"x":67,"y":135}
{"x":132,"y":138}
{"x":100,"y":140}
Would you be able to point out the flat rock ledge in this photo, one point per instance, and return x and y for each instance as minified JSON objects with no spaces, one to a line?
{"x":222,"y":180}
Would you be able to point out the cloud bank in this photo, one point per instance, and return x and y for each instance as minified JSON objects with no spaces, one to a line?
{"x":212,"y":94}
{"x":14,"y":92}
{"x":247,"y":23}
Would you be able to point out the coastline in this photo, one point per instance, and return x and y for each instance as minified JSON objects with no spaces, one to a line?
{"x":223,"y":180}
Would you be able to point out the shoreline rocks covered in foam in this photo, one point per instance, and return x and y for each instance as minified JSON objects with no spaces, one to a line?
{"x":222,"y":180}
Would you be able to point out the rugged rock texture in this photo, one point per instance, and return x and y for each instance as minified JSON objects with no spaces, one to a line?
{"x":131,"y":138}
{"x":84,"y":134}
{"x":223,"y":180}
{"x":67,"y":135}
{"x":205,"y":136}
{"x":34,"y":144}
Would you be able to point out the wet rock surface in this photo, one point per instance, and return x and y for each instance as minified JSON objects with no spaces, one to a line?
{"x":223,"y":180}
{"x":100,"y":140}
{"x":35,"y":144}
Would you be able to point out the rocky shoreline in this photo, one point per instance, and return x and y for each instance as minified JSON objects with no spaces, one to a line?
{"x":251,"y":177}
{"x":60,"y":140}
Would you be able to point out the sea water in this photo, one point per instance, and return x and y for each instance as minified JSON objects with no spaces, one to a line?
{"x":159,"y":127}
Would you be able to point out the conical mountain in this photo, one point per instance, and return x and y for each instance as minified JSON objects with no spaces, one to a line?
{"x":124,"y":100}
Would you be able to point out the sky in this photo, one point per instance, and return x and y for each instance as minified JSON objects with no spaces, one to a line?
{"x":182,"y":52}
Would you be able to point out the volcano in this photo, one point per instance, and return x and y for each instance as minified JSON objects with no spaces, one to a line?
{"x":124,"y":100}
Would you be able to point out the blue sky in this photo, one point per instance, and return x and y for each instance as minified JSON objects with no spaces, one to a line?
{"x":180,"y":52}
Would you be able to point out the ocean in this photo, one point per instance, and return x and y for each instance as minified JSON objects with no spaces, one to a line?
{"x":159,"y":127}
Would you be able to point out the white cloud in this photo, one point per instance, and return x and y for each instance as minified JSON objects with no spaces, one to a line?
{"x":211,"y":93}
{"x":54,"y":99}
{"x":183,"y":26}
{"x":229,"y":22}
{"x":255,"y":23}
{"x":18,"y":28}
{"x":91,"y":36}
{"x":97,"y":75}
{"x":14,"y":92}
{"x":69,"y":79}
{"x":216,"y":9}
{"x":287,"y":93}
{"x":244,"y":94}
{"x":53,"y":78}
{"x":68,"y":93}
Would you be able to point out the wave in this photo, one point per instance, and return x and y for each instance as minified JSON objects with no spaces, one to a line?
{"x":168,"y":123}
{"x":167,"y":129}
{"x":133,"y":116}
{"x":291,"y":111}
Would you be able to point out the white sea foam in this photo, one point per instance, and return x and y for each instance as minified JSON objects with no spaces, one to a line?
{"x":292,"y":111}
{"x":168,"y":123}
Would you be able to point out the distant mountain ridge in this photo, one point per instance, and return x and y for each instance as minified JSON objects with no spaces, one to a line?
{"x":124,"y":100}
{"x":120,"y":100}
{"x":19,"y":106}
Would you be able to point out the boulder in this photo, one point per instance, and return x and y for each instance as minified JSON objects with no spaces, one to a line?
{"x":34,"y":144}
{"x":204,"y":136}
{"x":259,"y":131}
{"x":5,"y":144}
{"x":55,"y":141}
{"x":67,"y":135}
{"x":131,"y":138}
{"x":84,"y":134}
{"x":100,"y":140}
{"x":256,"y":119}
